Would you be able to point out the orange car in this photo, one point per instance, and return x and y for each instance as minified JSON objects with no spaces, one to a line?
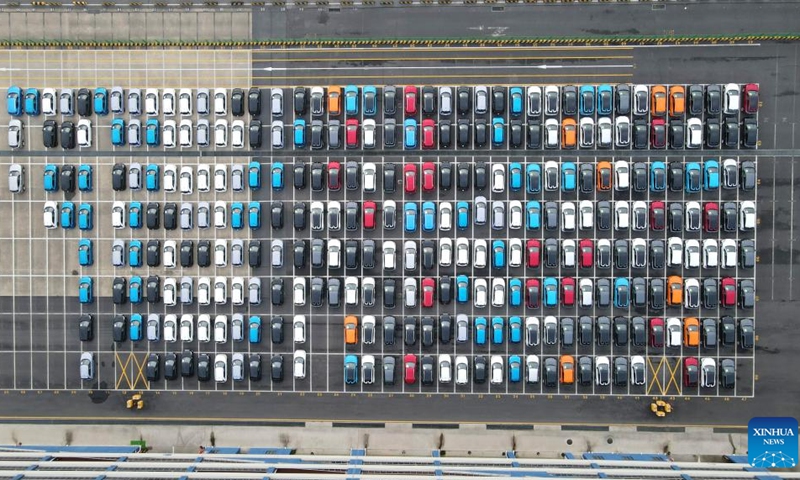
{"x":677,"y":100}
{"x":350,"y":330}
{"x":569,"y":133}
{"x":604,"y":176}
{"x":658,"y":101}
{"x":674,"y":291}
{"x":567,"y":372}
{"x":334,"y":100}
{"x":691,"y":332}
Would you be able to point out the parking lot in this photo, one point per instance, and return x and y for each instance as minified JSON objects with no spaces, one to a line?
{"x":44,"y":273}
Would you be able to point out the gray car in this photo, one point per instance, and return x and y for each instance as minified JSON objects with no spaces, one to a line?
{"x":16,"y":178}
{"x":186,"y":216}
{"x":481,"y":210}
{"x":276,"y":253}
{"x":186,"y":290}
{"x":237,"y":177}
{"x":118,"y":253}
{"x":498,"y":215}
{"x":237,"y":252}
{"x":388,"y":370}
{"x":254,"y":290}
{"x":134,"y":101}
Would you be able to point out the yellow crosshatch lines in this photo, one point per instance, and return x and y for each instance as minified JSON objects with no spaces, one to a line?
{"x":131,"y":378}
{"x":674,"y":370}
{"x":655,"y":377}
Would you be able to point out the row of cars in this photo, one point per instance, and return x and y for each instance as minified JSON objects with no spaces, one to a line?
{"x":691,"y":332}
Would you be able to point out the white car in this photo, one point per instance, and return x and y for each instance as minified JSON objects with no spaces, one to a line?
{"x":204,"y":328}
{"x":445,"y":368}
{"x":445,"y":216}
{"x":351,"y":291}
{"x":299,"y":361}
{"x":639,"y":216}
{"x":552,"y":99}
{"x":674,"y":252}
{"x":220,"y":177}
{"x":496,"y":370}
{"x":586,"y":216}
{"x":732,"y":97}
{"x":150,"y":101}
{"x":117,"y":214}
{"x":410,"y":292}
{"x":691,"y":285}
{"x":622,"y":174}
{"x":673,"y":332}
{"x":204,"y":291}
{"x":693,"y":216}
{"x":369,"y":176}
{"x":368,"y":130}
{"x":84,"y":133}
{"x":220,"y":215}
{"x":515,"y":215}
{"x":220,"y":290}
{"x":586,"y":132}
{"x":481,"y":292}
{"x":220,"y":101}
{"x":708,"y":367}
{"x":334,"y":253}
{"x":532,"y":369}
{"x":691,"y":257}
{"x":534,"y":105}
{"x":299,"y":291}
{"x":515,"y":252}
{"x":221,"y":328}
{"x":445,"y":252}
{"x":622,"y":129}
{"x":568,"y":253}
{"x":602,"y":370}
{"x":728,"y":253}
{"x":221,"y":133}
{"x":462,"y":252}
{"x":168,"y":102}
{"x":317,"y":216}
{"x":389,"y":255}
{"x":498,"y":292}
{"x":532,"y":330}
{"x":299,"y":328}
{"x":498,"y":178}
{"x":462,"y":370}
{"x":171,"y":328}
{"x":641,"y":99}
{"x":186,"y":180}
{"x":51,"y":215}
{"x":49,"y":102}
{"x":568,"y":216}
{"x":185,"y":133}
{"x":747,"y":215}
{"x":695,"y":135}
{"x":170,"y":135}
{"x":185,"y":101}
{"x":586,"y":292}
{"x":170,"y":292}
{"x":237,"y":134}
{"x":187,"y":327}
{"x":220,"y":368}
{"x":237,"y":290}
{"x":638,"y":371}
{"x":220,"y":253}
{"x":335,"y":214}
{"x":481,"y":254}
{"x":550,"y":176}
{"x":710,"y":253}
{"x":170,"y":177}
{"x":621,"y":215}
{"x":605,"y":132}
{"x":170,"y":253}
{"x":410,"y":255}
{"x":551,"y":133}
{"x":203,"y":177}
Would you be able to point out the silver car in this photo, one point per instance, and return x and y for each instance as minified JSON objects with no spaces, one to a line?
{"x":134,"y":132}
{"x":186,"y":216}
{"x":16,"y":178}
{"x":135,"y":176}
{"x":276,"y":253}
{"x":203,"y":132}
{"x":203,"y":101}
{"x":254,"y":290}
{"x":481,"y":210}
{"x":134,"y":101}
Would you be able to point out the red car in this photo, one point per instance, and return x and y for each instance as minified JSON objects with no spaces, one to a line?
{"x":711,"y":217}
{"x":534,"y":250}
{"x":690,"y":372}
{"x":658,"y":133}
{"x":568,"y":291}
{"x":428,"y":287}
{"x":586,"y":248}
{"x":751,"y":98}
{"x":727,"y":292}
{"x":657,"y":216}
{"x":351,"y":133}
{"x":410,"y":101}
{"x":656,"y":332}
{"x":334,"y":176}
{"x":369,"y":215}
{"x":410,"y":177}
{"x":532,"y":293}
{"x":428,"y":176}
{"x":410,"y":368}
{"x":428,"y":127}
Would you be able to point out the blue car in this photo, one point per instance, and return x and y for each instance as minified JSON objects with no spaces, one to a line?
{"x":14,"y":100}
{"x":498,"y":132}
{"x":658,"y":177}
{"x":621,"y":292}
{"x":370,"y":92}
{"x":533,"y":174}
{"x":85,"y":217}
{"x":428,"y":216}
{"x":710,"y":175}
{"x":605,"y":99}
{"x":135,"y":327}
{"x":462,"y":215}
{"x":498,"y":254}
{"x":85,"y":252}
{"x":351,"y":369}
{"x":514,"y":368}
{"x":351,"y":100}
{"x":135,"y":215}
{"x":135,"y":290}
{"x":568,"y":176}
{"x":299,"y":133}
{"x":462,"y":289}
{"x":277,"y":176}
{"x":480,"y":331}
{"x":152,"y":177}
{"x":254,"y":329}
{"x":68,"y":215}
{"x":586,"y":99}
{"x":50,"y":178}
{"x":101,"y":101}
{"x":550,"y":292}
{"x":86,"y":290}
{"x":517,"y":100}
{"x":85,"y":180}
{"x":254,"y":215}
{"x":515,"y":176}
{"x":693,"y":174}
{"x":237,"y":215}
{"x":118,"y":132}
{"x":534,"y":215}
{"x":410,"y":217}
{"x":515,"y":329}
{"x":152,"y":132}
{"x":32,"y":101}
{"x":254,"y":175}
{"x":410,"y":133}
{"x":515,"y":292}
{"x":497,"y":330}
{"x":135,"y":253}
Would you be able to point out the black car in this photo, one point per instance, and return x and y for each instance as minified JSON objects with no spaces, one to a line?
{"x":389,"y":133}
{"x":747,"y":294}
{"x":621,"y":254}
{"x":445,"y":290}
{"x":67,"y":181}
{"x":695,"y":107}
{"x":709,"y":333}
{"x":730,"y":133}
{"x":550,"y":253}
{"x":446,"y":175}
{"x":656,"y":293}
{"x":68,"y":135}
{"x":317,"y":177}
{"x":410,"y":331}
{"x":729,"y":213}
{"x":254,"y":101}
{"x":153,"y":289}
{"x":675,"y":217}
{"x":334,"y":134}
{"x":749,"y":133}
{"x":620,"y":371}
{"x":463,"y":133}
{"x":276,"y":214}
{"x":152,"y":215}
{"x":171,"y":366}
{"x":119,"y":328}
{"x":479,"y":369}
{"x":585,"y":330}
{"x":620,"y":331}
{"x":713,"y":99}
{"x":368,"y":254}
{"x":584,"y":376}
{"x":710,"y":293}
{"x":622,"y":99}
{"x":317,"y":292}
{"x":428,"y":329}
{"x":638,"y":331}
{"x":299,"y":216}
{"x":603,"y":331}
{"x":254,"y":364}
{"x":676,"y":134}
{"x":171,"y":216}
{"x":389,"y":100}
{"x":727,"y":373}
{"x":445,"y":328}
{"x":515,"y":134}
{"x":300,"y":101}
{"x":675,"y":176}
{"x":254,"y":253}
{"x":299,"y":176}
{"x":639,"y":177}
{"x":351,"y":254}
{"x":534,"y":135}
{"x":481,"y":176}
{"x":351,"y":177}
{"x":317,"y":135}
{"x":276,"y":291}
{"x":727,"y":334}
{"x":481,"y":132}
{"x":389,"y":178}
{"x":276,"y":329}
{"x":427,"y":370}
{"x":119,"y":290}
{"x":428,"y":254}
{"x":351,"y":216}
{"x":603,"y":215}
{"x":86,"y":328}
{"x":83,"y":103}
{"x":657,"y":253}
{"x":152,"y":368}
{"x":569,"y":104}
{"x":640,"y":133}
{"x":567,"y":332}
{"x":389,"y":293}
{"x":712,"y":133}
{"x":463,"y":176}
{"x":388,"y":330}
{"x":746,"y":333}
{"x":445,"y":133}
{"x":203,"y":367}
{"x":237,"y":102}
{"x":187,"y":253}
{"x":498,"y":100}
{"x":203,"y":253}
{"x":276,"y":368}
{"x":586,"y":178}
{"x":255,"y":134}
{"x":428,"y":100}
{"x":747,"y":254}
{"x":50,"y":134}
{"x":187,"y":363}
{"x":550,"y":372}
